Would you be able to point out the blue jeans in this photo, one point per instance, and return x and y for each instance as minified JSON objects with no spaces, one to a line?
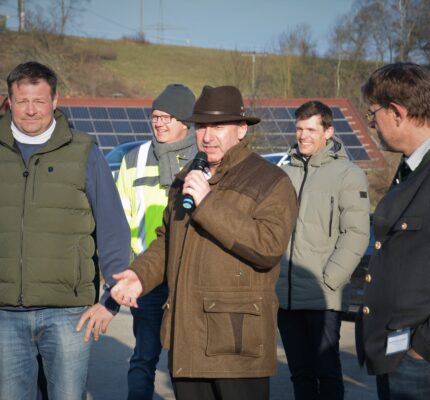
{"x":52,"y":333}
{"x":146,"y":328}
{"x":410,"y":381}
{"x":311,"y":343}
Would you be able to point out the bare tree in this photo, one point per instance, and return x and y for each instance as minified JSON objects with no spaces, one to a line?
{"x":298,"y":41}
{"x":346,"y":44}
{"x":237,"y":71}
{"x":282,"y":71}
{"x":57,"y":17}
{"x":384,"y":30}
{"x":423,"y":31}
{"x":66,"y":11}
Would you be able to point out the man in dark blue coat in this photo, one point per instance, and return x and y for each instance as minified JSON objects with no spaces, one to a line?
{"x":395,"y":335}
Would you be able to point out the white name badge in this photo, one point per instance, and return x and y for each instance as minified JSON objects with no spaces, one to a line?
{"x":398,"y":341}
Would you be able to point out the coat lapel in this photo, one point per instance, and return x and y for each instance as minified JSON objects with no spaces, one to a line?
{"x":396,"y":201}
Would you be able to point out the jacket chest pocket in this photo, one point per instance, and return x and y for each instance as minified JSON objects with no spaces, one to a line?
{"x":234,"y":326}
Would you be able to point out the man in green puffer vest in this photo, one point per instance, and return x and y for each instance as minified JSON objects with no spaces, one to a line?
{"x":57,"y":193}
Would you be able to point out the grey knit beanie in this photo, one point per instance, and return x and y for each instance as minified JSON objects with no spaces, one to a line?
{"x":176,"y":100}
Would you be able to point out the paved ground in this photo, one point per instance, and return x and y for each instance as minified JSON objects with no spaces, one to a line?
{"x":109,"y":362}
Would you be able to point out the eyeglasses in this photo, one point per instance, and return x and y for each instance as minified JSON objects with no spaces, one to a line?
{"x":371,"y":114}
{"x":165,"y":119}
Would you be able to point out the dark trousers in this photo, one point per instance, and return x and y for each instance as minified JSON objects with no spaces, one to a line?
{"x":221,"y":389}
{"x":311,"y":343}
{"x":146,"y":328}
{"x":410,"y":381}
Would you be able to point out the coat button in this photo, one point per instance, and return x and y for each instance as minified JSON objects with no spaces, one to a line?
{"x":368,"y":278}
{"x":404,"y":226}
{"x":366,"y":310}
{"x":25,"y":174}
{"x":378,"y":245}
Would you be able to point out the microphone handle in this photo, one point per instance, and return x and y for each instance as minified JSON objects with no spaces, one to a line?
{"x":187,"y":200}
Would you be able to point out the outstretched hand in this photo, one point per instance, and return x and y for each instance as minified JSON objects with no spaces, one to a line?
{"x":128,"y":288}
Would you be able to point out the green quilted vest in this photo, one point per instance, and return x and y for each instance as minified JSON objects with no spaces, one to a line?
{"x":46,"y":221}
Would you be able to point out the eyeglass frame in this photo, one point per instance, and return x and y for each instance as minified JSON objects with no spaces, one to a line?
{"x":370,"y":116}
{"x":165,"y":119}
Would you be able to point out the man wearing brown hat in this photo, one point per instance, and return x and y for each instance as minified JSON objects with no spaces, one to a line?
{"x":221,"y":260}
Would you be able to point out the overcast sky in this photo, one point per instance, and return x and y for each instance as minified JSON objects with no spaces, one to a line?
{"x":247,"y":25}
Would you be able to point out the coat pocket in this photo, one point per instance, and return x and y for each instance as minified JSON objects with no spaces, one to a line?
{"x":234,"y":326}
{"x":330,"y":223}
{"x":406,"y":321}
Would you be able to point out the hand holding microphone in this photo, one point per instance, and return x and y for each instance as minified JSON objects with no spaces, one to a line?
{"x":195,"y":186}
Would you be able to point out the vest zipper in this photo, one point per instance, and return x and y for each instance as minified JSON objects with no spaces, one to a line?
{"x":293,"y":235}
{"x":25,"y":174}
{"x":331,"y":215}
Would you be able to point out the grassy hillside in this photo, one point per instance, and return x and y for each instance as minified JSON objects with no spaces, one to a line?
{"x":95,"y":67}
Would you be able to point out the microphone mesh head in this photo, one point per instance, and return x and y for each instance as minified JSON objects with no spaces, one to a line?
{"x":201,"y":155}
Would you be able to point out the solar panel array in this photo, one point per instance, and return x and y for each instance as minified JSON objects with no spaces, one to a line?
{"x":113,"y":126}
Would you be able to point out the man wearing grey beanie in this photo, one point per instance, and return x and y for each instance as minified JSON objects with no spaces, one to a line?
{"x":144,"y":179}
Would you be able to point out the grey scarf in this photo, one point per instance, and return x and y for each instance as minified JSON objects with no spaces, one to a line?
{"x":173,"y":156}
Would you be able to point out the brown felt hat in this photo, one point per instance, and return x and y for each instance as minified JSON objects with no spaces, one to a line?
{"x":220,"y":104}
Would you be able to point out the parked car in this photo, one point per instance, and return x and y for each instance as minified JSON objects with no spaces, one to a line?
{"x":115,"y":156}
{"x":277,"y":158}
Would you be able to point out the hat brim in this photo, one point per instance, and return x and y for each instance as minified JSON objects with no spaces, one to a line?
{"x":217,"y":118}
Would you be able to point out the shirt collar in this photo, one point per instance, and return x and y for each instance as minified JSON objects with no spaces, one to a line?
{"x":26,"y":139}
{"x":416,"y":157}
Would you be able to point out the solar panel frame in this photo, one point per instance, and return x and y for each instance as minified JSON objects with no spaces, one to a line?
{"x":357,"y":153}
{"x":79,"y":113}
{"x":98,"y":113}
{"x":116,"y":113}
{"x":121,"y":126}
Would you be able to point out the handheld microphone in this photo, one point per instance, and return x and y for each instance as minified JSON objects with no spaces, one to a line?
{"x":200,"y":163}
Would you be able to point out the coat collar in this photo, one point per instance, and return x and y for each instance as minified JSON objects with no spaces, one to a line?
{"x":397,"y":199}
{"x":333,"y":150}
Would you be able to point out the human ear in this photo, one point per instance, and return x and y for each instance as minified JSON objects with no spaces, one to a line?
{"x":328,"y":133}
{"x":400,"y":113}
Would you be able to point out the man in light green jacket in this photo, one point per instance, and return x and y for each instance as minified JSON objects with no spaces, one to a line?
{"x":330,"y":237}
